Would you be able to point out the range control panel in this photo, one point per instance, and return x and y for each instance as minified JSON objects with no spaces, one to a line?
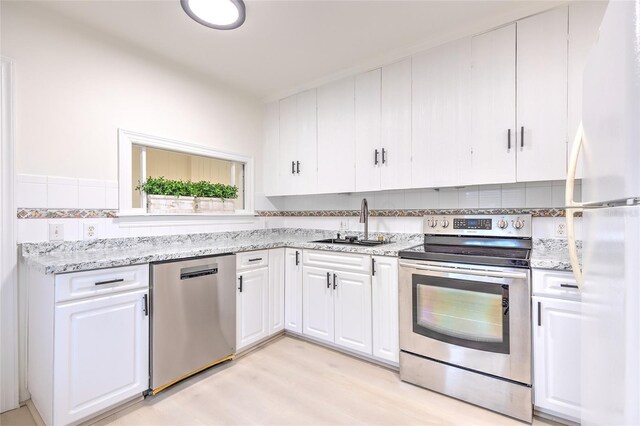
{"x":483,"y":225}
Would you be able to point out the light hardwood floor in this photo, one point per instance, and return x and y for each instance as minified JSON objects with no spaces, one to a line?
{"x":293,"y":382}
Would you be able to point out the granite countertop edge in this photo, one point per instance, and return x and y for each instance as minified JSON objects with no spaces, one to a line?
{"x":546,"y":253}
{"x":47,"y":265}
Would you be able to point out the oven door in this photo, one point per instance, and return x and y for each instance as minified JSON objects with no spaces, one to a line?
{"x":476,"y":317}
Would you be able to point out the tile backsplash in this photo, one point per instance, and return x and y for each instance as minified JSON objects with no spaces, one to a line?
{"x":518,"y":195}
{"x":53,"y":192}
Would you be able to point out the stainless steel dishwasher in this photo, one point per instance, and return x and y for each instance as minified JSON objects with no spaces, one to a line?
{"x":193,"y":317}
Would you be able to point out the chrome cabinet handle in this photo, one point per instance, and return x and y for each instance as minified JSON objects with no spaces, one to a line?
{"x":508,"y":139}
{"x":522,"y":137}
{"x":334,"y":281}
{"x":375,"y":157}
{"x":145,"y":307}
{"x":240,"y":279}
{"x":255,"y":259}
{"x":293,"y":167}
{"x":297,"y":257}
{"x":373,"y":267}
{"x":298,"y":167}
{"x":384,"y":156}
{"x":117,"y":280}
{"x":328,"y":279}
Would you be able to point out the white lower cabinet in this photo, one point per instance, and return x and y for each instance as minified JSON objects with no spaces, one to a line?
{"x":88,"y":341}
{"x":317,"y":303}
{"x":352,"y":311}
{"x":556,"y":351}
{"x":101,"y":357}
{"x":384,"y":302}
{"x":337,"y":303}
{"x":293,"y":290}
{"x":252,"y":307}
{"x":260,"y":296}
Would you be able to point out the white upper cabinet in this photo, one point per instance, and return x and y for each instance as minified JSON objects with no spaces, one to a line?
{"x":396,"y":126}
{"x":298,"y":162}
{"x":440,"y":110}
{"x":542,"y":96}
{"x":584,"y":21}
{"x":489,"y":151}
{"x":367,"y":127}
{"x":271,"y":149}
{"x":336,"y":137}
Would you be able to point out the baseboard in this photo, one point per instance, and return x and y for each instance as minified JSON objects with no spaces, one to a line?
{"x":344,"y":351}
{"x":543,"y":414}
{"x":34,"y":413}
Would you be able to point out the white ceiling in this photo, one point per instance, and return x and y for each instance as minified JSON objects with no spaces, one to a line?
{"x":285,"y":46}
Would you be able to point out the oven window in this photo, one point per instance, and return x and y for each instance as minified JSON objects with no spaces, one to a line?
{"x":464,"y":313}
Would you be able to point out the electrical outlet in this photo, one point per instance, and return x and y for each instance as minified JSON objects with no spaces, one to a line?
{"x":56,"y":232}
{"x":560,"y":228}
{"x":90,"y":231}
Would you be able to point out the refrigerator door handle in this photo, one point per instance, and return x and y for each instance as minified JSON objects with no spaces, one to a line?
{"x":573,"y":206}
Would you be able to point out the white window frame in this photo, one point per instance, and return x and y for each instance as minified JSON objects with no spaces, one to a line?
{"x":127,"y":139}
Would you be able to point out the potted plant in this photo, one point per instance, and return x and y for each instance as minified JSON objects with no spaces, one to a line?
{"x":214,"y":197}
{"x":168,"y":196}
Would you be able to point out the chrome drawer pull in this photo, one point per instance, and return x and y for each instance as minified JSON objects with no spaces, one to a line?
{"x":255,"y":259}
{"x":118,"y":280}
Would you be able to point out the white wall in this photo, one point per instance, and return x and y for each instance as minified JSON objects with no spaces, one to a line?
{"x":75,"y":87}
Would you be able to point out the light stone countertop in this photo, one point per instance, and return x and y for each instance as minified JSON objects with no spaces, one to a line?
{"x":551,"y":253}
{"x":57,"y":258}
{"x":71,"y":256}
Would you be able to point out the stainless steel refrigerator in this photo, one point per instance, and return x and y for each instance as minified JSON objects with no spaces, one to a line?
{"x":610,"y":278}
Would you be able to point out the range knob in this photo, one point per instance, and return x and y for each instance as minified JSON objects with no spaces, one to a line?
{"x":432,"y":223}
{"x":444,"y":223}
{"x":502,"y":223}
{"x":518,"y":224}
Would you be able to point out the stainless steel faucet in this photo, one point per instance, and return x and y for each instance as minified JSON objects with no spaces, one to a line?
{"x":364,"y":217}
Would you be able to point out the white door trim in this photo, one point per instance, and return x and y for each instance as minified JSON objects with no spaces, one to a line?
{"x":9,"y":397}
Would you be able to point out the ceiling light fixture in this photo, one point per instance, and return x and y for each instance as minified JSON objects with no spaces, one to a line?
{"x":218,"y":14}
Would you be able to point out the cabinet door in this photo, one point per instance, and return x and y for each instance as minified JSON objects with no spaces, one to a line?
{"x":252,"y":307}
{"x":556,"y":356}
{"x":287,"y":152}
{"x":101,"y":355}
{"x":440,"y":109}
{"x":584,"y":23}
{"x":293,"y":290}
{"x":306,"y":178}
{"x":396,"y":126}
{"x":384,"y":296}
{"x":490,"y":150}
{"x":368,"y":143}
{"x":542,"y":96}
{"x":336,"y":137}
{"x":353,"y":311}
{"x":317,"y":303}
{"x":271,"y":149}
{"x":276,"y":290}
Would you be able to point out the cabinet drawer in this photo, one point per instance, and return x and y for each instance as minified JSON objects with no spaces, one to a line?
{"x":339,"y":261}
{"x":78,"y":285}
{"x":560,"y":284}
{"x":252,"y":259}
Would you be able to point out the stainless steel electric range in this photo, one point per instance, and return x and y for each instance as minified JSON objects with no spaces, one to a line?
{"x":465,"y":311}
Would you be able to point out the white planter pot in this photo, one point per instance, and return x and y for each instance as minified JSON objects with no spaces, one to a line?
{"x":170,"y":204}
{"x":214,"y":205}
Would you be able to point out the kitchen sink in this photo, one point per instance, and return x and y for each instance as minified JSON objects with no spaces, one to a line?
{"x":351,"y":241}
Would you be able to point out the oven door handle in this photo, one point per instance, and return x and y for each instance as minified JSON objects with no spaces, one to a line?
{"x":461,"y":271}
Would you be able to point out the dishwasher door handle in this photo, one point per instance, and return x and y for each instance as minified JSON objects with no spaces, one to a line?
{"x":198,"y":271}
